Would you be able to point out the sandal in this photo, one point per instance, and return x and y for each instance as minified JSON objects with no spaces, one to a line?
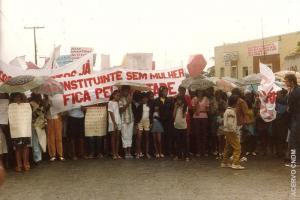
{"x":162,"y":155}
{"x":18,"y":169}
{"x":27,"y":167}
{"x":99,"y":156}
{"x":115,"y":157}
{"x":148,"y":156}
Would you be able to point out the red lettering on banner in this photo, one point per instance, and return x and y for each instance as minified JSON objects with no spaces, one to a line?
{"x":71,"y":74}
{"x":119,"y":75}
{"x":136,"y":76}
{"x":170,"y":86}
{"x":181,"y":73}
{"x":86,"y":68}
{"x":270,"y":97}
{"x":106,"y":91}
{"x":77,"y":97}
{"x":4,"y":77}
{"x":155,"y":87}
{"x":171,"y":74}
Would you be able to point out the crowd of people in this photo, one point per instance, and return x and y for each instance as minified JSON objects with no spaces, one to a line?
{"x":189,"y":125}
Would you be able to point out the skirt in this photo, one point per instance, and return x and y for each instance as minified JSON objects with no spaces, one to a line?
{"x":157,"y":127}
{"x":21,"y":141}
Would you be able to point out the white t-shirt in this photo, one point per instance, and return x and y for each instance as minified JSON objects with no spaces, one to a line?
{"x":180,"y":119}
{"x":113,"y":107}
{"x":146,"y":111}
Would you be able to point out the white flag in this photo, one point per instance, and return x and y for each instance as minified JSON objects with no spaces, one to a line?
{"x":51,"y":63}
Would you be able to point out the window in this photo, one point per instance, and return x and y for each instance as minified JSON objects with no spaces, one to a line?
{"x":245,"y":71}
{"x":222,"y":72}
{"x":233,"y":72}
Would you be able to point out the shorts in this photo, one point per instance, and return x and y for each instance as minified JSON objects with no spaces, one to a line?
{"x":144,"y":125}
{"x":111,"y":127}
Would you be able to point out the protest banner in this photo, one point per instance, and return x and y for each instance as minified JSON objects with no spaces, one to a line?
{"x":20,"y":118}
{"x":3,"y":111}
{"x":95,"y":121}
{"x":267,"y":93}
{"x":95,"y":88}
{"x":266,"y":49}
{"x":79,"y":52}
{"x":82,"y":66}
{"x":139,"y":61}
{"x":51,"y":63}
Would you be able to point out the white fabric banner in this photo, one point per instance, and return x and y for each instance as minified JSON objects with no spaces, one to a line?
{"x":267,"y":93}
{"x":3,"y":110}
{"x":82,"y":66}
{"x":79,"y":52}
{"x":139,"y":61}
{"x":95,"y":121}
{"x":96,"y":88}
{"x":20,"y":118}
{"x":51,"y":62}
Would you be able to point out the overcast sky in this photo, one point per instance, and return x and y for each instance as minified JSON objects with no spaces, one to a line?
{"x":170,"y":29}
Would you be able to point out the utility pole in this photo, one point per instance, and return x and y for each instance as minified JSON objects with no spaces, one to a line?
{"x":34,"y":37}
{"x":263,"y":39}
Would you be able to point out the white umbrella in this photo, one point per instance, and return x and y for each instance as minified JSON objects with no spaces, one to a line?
{"x":281,"y":74}
{"x":251,"y":79}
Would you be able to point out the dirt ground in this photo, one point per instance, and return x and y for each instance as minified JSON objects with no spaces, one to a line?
{"x":265,"y":178}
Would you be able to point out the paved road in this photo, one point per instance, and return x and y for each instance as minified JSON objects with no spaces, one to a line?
{"x":265,"y":178}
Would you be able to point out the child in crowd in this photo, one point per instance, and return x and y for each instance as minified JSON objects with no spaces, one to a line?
{"x":180,"y":125}
{"x":156,"y":130}
{"x":142,"y":118}
{"x":114,"y":123}
{"x":231,"y":133}
{"x":250,"y":126}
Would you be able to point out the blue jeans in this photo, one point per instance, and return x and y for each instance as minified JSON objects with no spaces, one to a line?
{"x":36,"y":149}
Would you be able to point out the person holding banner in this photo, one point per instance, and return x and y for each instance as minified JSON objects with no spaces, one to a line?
{"x":6,"y":147}
{"x":75,"y":132}
{"x":95,"y":129}
{"x":39,"y":125}
{"x":20,"y":121}
{"x":114,"y":123}
{"x":294,"y":111}
{"x":127,"y":120}
{"x":54,"y":133}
